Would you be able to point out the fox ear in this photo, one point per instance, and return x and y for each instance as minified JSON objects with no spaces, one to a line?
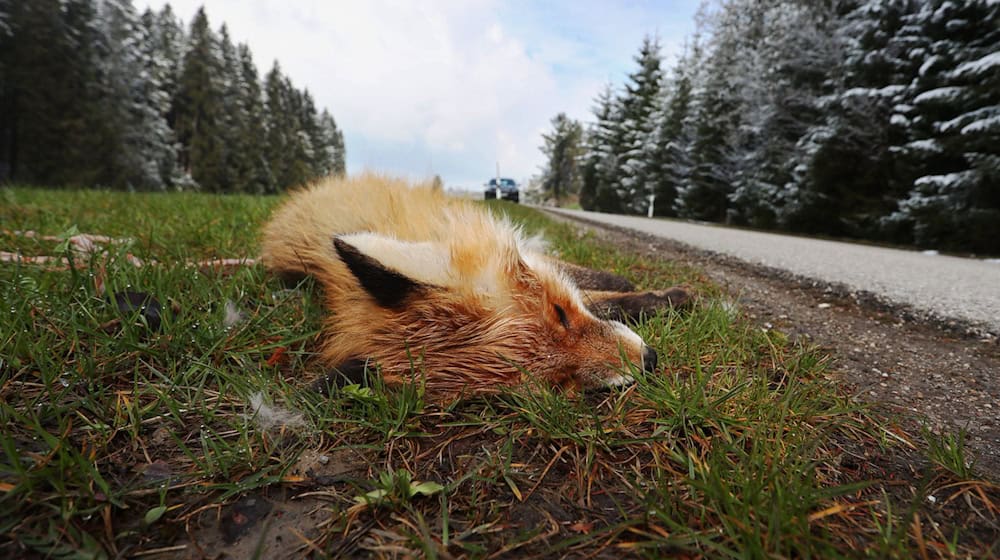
{"x":388,"y":269}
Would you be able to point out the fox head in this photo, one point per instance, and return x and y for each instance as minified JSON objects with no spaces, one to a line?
{"x":470,"y":314}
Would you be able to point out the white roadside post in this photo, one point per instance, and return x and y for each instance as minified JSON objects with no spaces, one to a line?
{"x":499,"y":194}
{"x":652,"y":197}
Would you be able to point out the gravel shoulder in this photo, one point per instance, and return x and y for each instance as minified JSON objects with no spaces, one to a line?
{"x":923,"y":368}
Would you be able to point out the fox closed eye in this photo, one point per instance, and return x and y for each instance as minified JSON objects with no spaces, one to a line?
{"x":562,"y":315}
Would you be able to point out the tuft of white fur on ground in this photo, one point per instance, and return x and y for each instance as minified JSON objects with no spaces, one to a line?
{"x":731,"y":308}
{"x":269,"y":417}
{"x":233,"y":315}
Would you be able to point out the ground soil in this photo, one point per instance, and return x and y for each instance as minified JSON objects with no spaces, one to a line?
{"x":919,"y":370}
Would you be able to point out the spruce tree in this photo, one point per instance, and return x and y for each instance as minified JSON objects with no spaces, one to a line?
{"x":54,"y":129}
{"x":199,"y":113}
{"x":604,"y":154}
{"x":842,"y":168}
{"x":332,"y":146}
{"x":786,"y":46}
{"x":235,"y":119}
{"x":163,"y":67}
{"x":714,"y":117}
{"x":169,"y":45}
{"x":310,"y":137}
{"x":634,"y":176}
{"x":704,"y":192}
{"x":301,"y":156}
{"x":280,"y":127}
{"x":252,"y":171}
{"x":560,"y":176}
{"x":592,"y":146}
{"x":134,"y":102}
{"x":600,"y":163}
{"x":667,"y":148}
{"x":950,"y":126}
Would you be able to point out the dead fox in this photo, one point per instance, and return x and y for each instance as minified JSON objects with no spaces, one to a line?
{"x":422,"y":285}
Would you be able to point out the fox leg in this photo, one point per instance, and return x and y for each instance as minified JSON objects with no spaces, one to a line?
{"x":611,"y":296}
{"x":631,"y":306}
{"x":591,"y":279}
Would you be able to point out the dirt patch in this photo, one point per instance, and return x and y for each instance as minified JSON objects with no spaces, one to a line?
{"x":277,"y":522}
{"x":922,"y":370}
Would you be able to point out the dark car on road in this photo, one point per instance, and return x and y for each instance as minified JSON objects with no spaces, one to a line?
{"x":503,"y":188}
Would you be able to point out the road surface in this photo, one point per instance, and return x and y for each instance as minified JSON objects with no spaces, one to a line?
{"x":947,"y":287}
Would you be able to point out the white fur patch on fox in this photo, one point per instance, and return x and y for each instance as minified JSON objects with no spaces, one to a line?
{"x":409,"y":274}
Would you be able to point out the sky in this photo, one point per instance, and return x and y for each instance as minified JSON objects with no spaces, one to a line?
{"x":452,"y":88}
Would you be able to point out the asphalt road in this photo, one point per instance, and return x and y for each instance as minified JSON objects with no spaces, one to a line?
{"x":947,"y":287}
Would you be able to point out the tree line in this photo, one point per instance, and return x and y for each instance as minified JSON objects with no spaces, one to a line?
{"x":875,"y":119}
{"x":92,"y":93}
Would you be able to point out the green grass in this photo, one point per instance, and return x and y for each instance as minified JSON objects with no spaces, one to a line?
{"x":118,"y":441}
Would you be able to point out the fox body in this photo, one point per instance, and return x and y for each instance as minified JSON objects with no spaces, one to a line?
{"x":425,"y":285}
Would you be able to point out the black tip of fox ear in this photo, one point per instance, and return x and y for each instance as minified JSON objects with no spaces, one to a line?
{"x":389,"y":288}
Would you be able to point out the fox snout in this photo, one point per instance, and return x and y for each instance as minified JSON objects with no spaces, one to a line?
{"x":649,"y":359}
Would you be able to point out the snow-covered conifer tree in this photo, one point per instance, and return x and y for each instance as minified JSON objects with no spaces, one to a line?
{"x":600,"y":162}
{"x":950,"y":126}
{"x":134,"y":102}
{"x":639,"y":100}
{"x":560,"y":175}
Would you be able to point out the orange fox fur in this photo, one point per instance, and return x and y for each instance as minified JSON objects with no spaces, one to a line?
{"x":422,"y":284}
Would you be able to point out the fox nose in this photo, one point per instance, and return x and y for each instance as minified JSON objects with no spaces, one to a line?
{"x":649,"y":358}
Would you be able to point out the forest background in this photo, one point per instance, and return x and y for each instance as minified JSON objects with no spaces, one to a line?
{"x":874,"y":119}
{"x":94,"y":94}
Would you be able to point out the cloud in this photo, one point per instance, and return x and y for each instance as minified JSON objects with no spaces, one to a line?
{"x":439,"y":87}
